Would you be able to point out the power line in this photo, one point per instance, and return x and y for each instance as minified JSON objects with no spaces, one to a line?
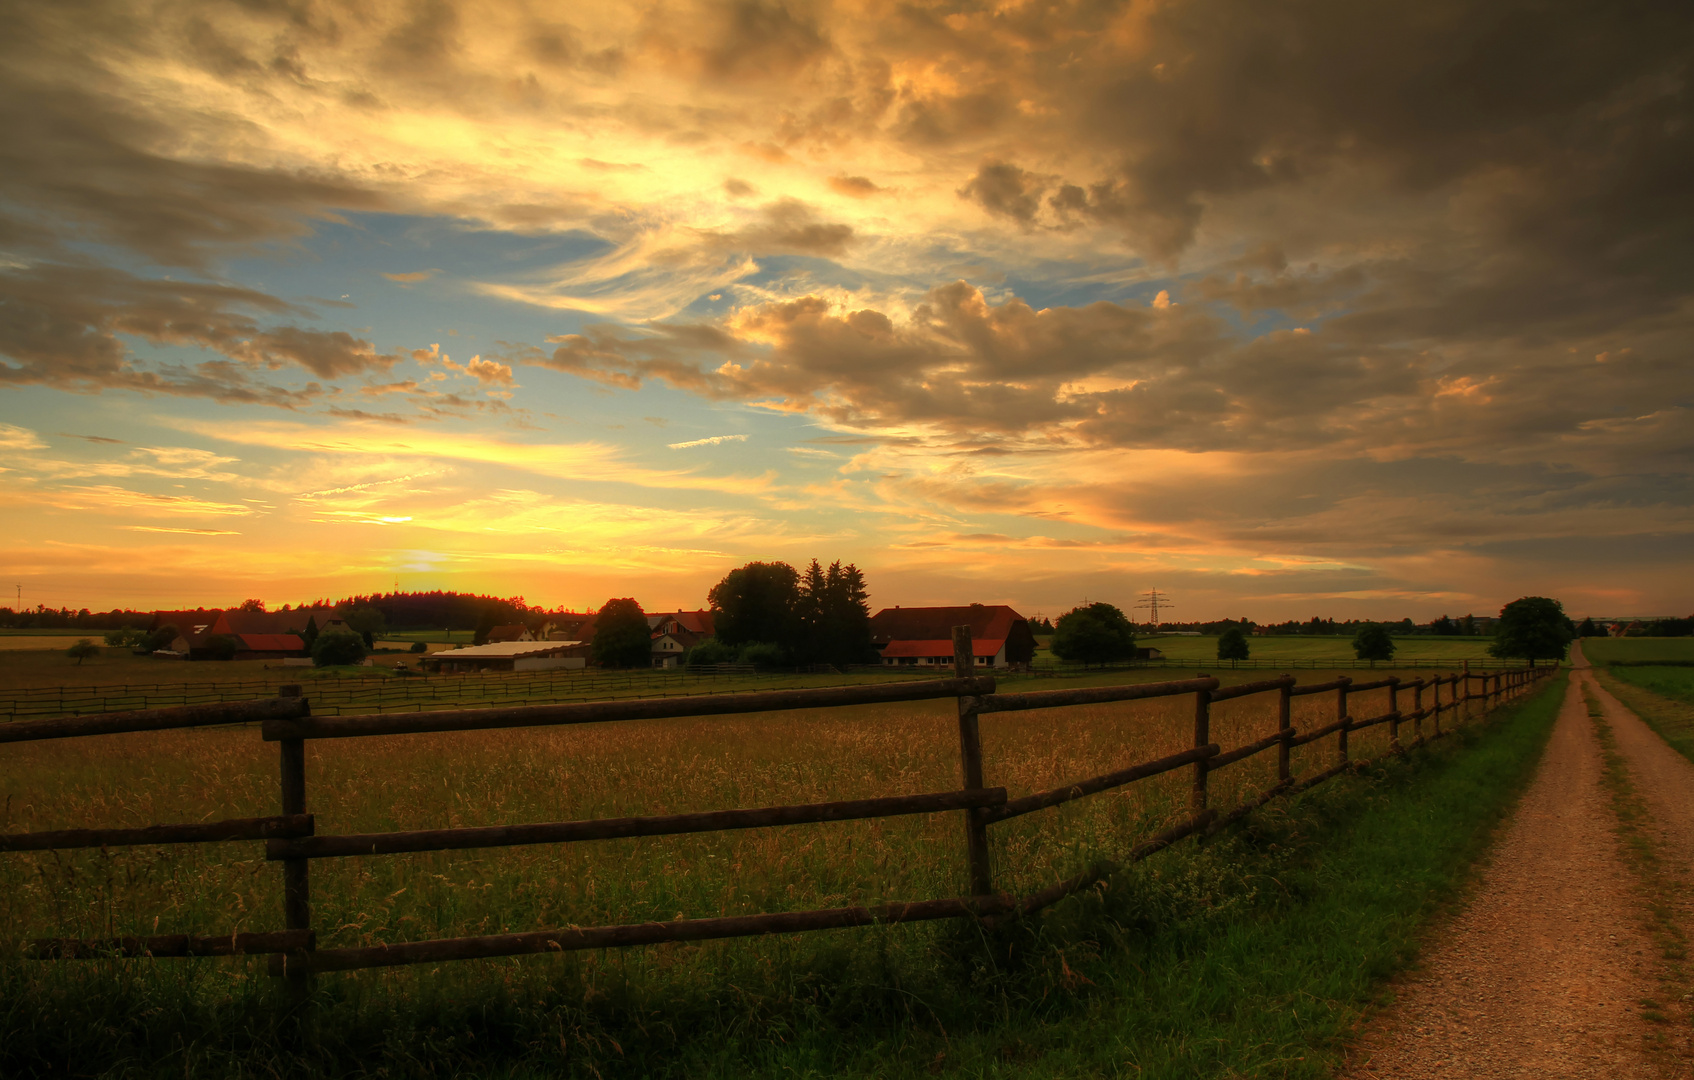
{"x":1153,"y":600}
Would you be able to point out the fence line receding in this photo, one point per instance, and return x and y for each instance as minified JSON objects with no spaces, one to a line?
{"x":291,"y":839}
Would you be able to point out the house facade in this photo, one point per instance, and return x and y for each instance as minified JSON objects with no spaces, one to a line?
{"x":674,"y":634}
{"x":923,"y":637}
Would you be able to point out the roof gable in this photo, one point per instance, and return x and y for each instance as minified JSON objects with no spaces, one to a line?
{"x":987,"y":621}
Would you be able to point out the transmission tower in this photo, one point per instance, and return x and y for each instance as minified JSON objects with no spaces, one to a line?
{"x":1153,"y":600}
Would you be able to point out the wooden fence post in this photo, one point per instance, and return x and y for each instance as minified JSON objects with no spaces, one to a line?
{"x":1285,"y":724}
{"x":1417,"y":709}
{"x":1341,"y":715}
{"x":970,"y":757}
{"x":1394,"y":715}
{"x":1202,"y":736}
{"x":296,"y":879}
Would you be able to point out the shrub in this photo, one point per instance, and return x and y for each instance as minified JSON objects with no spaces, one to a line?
{"x":82,"y":650}
{"x":221,"y":647}
{"x":333,"y":648}
{"x":712,"y":651}
{"x":764,"y":654}
{"x":418,"y":646}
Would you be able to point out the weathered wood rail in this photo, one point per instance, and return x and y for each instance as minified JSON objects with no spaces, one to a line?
{"x":291,"y":839}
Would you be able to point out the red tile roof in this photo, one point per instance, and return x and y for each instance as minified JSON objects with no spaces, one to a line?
{"x":272,"y":643}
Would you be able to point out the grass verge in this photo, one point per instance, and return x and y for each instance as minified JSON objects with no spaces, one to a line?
{"x":1658,"y":888}
{"x":1251,"y":954}
{"x":1672,"y":719}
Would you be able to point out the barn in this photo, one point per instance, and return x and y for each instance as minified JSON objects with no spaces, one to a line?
{"x":923,"y":636}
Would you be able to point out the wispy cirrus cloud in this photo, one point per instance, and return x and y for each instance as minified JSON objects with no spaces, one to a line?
{"x":714,"y":440}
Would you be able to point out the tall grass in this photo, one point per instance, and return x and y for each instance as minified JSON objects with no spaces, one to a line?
{"x":597,"y":1010}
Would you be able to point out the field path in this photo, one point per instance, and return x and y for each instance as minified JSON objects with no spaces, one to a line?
{"x":1663,"y":778}
{"x":1542,"y":974}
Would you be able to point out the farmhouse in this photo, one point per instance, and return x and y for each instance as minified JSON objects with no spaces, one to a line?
{"x":675,"y":634}
{"x":513,"y":632}
{"x":908,"y":637}
{"x":260,"y":635}
{"x":509,"y":656}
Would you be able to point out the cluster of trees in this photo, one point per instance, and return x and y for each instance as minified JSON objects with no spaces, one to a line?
{"x":767,"y":612}
{"x":764,"y":613}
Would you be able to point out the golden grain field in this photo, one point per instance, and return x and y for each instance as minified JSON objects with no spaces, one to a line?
{"x":553,"y":774}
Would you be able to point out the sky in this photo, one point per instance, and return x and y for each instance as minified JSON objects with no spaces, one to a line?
{"x":1283,"y":309}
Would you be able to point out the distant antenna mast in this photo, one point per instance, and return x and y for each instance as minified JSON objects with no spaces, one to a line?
{"x":1153,"y":600}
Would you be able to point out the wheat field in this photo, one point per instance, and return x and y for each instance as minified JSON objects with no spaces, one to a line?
{"x":604,"y":770}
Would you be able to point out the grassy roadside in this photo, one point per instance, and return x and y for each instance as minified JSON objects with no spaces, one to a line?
{"x":1673,"y":720}
{"x":1252,"y":954}
{"x":1660,"y":891}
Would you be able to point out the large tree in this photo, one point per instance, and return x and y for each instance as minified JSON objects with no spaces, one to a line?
{"x":1373,"y":643}
{"x":756,"y":602}
{"x":1096,"y":634}
{"x":1532,"y":628}
{"x":1232,"y":644}
{"x":621,"y":635}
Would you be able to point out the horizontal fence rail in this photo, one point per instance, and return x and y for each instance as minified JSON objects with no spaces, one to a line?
{"x":291,"y":839}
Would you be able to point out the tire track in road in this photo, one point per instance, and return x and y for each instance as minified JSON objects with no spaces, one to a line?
{"x":1541,"y":974}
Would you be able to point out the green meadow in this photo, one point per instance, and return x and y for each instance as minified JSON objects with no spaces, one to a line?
{"x":1608,"y":650}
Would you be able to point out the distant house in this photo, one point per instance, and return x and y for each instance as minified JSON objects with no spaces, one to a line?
{"x":260,"y":635}
{"x":571,"y":627}
{"x":674,"y":634}
{"x":512,"y":632}
{"x":923,"y":637}
{"x":509,"y":656}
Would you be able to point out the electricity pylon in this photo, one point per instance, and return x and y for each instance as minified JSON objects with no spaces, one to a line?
{"x":1153,"y":600}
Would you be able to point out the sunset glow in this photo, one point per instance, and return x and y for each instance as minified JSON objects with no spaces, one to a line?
{"x":1285,"y":310}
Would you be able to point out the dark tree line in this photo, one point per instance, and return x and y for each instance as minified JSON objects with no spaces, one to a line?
{"x":46,"y":618}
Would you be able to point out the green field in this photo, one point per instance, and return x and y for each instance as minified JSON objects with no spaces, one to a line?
{"x":1609,"y":649}
{"x":1676,"y":683}
{"x":1248,"y":954}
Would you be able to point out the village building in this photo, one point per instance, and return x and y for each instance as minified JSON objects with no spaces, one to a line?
{"x":674,"y":634}
{"x":923,"y":637}
{"x":509,"y":656}
{"x":260,"y":635}
{"x":511,"y":632}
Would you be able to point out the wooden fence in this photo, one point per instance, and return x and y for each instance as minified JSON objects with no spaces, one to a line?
{"x":291,"y":839}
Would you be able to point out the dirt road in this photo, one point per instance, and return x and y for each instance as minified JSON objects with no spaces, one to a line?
{"x":1544,"y":972}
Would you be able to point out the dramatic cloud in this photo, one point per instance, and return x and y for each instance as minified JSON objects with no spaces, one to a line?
{"x":1337,"y":299}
